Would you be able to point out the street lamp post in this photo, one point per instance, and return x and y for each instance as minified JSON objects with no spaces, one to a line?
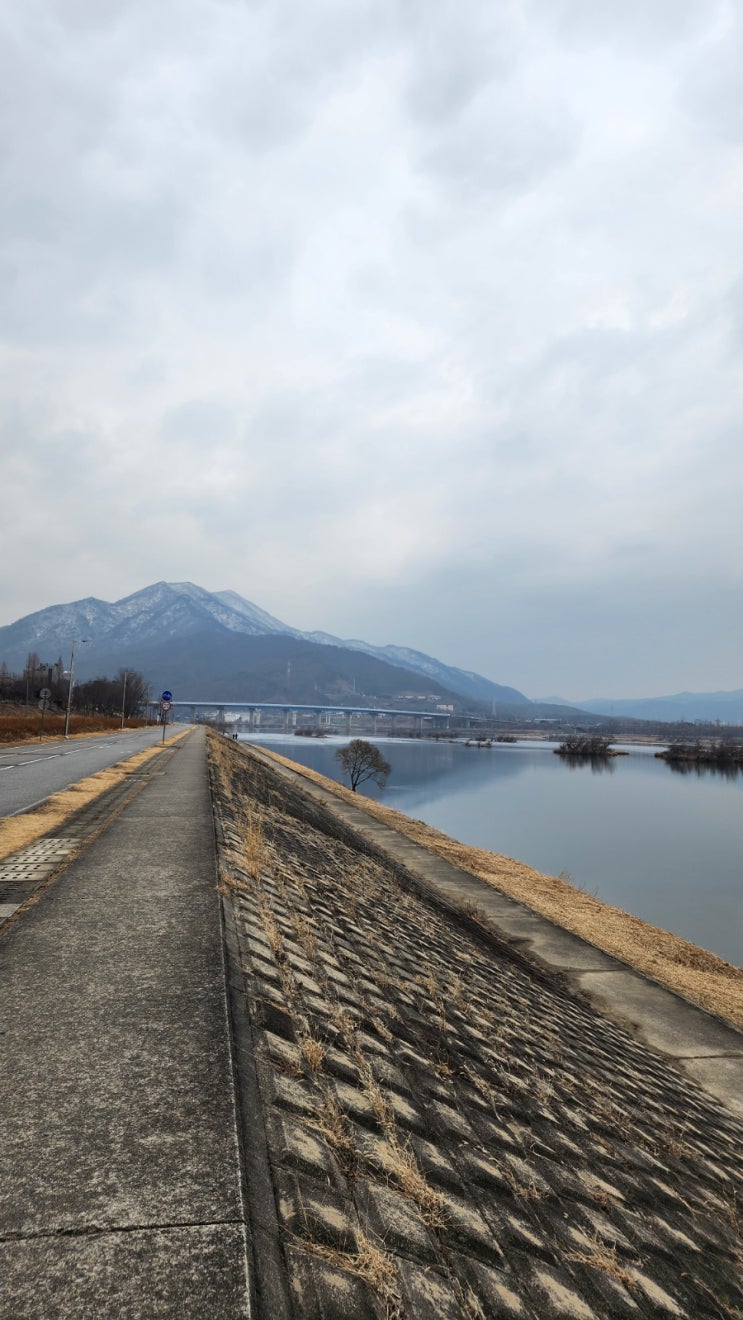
{"x":69,"y":689}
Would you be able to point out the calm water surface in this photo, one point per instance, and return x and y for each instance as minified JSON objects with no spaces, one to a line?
{"x":665,"y":846}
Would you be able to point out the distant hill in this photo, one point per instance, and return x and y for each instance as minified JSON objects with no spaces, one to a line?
{"x":206,"y":645}
{"x":705,"y":707}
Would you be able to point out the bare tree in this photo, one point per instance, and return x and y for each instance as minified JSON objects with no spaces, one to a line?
{"x":105,"y":696}
{"x":361,"y":761}
{"x":132,"y":690}
{"x":29,"y":673}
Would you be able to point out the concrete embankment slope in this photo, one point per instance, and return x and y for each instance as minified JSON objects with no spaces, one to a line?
{"x":121,"y":1191}
{"x":705,"y":1044}
{"x":437,"y":1125}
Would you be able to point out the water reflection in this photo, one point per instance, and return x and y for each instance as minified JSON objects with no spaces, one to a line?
{"x":421,"y":770}
{"x":725,"y":770}
{"x":600,"y":765}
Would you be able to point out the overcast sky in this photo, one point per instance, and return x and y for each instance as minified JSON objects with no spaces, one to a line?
{"x":414,"y":321}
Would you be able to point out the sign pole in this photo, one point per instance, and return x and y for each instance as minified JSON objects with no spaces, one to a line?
{"x":166,"y":701}
{"x":44,"y":696}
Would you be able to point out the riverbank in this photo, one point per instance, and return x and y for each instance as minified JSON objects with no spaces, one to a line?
{"x":435,"y":1124}
{"x":683,"y":967}
{"x":261,"y":1070}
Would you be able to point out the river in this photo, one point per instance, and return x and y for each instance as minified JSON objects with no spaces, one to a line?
{"x":665,"y":846}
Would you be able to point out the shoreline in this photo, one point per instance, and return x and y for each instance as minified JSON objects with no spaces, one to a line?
{"x":689,"y":970}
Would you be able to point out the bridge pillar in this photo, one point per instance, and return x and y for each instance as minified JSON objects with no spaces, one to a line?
{"x":348,"y":723}
{"x":375,"y":718}
{"x":193,"y":714}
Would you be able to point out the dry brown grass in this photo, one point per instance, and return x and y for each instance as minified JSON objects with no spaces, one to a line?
{"x":18,"y":831}
{"x":693,"y":972}
{"x":306,"y":937}
{"x":401,"y":1166}
{"x":273,"y":935}
{"x":18,"y":728}
{"x":255,"y":851}
{"x":368,"y":1262}
{"x":330,"y":1122}
{"x":313,"y":1051}
{"x":599,"y":1256}
{"x":374,"y":1265}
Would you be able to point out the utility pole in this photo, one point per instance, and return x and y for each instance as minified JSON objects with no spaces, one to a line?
{"x":123,"y":698}
{"x":69,"y":689}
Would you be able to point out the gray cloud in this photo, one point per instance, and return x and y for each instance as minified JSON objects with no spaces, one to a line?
{"x":505,"y":148}
{"x":639,"y":25}
{"x":408,"y":323}
{"x":711,"y":91}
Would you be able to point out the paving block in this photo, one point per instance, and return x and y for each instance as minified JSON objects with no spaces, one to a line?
{"x":302,"y":1146}
{"x":498,"y":1293}
{"x":428,"y":1294}
{"x":325,"y":1291}
{"x":317,"y":1214}
{"x":466,"y":1230}
{"x":395,"y":1220}
{"x":356,"y":1104}
{"x":555,"y":1296}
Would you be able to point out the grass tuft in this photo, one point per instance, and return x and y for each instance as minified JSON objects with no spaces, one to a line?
{"x":254,"y":847}
{"x":400,"y":1164}
{"x":313,"y":1051}
{"x":370,"y":1263}
{"x":601,"y":1257}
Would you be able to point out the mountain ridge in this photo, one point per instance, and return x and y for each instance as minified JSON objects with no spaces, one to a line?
{"x":150,"y":629}
{"x":165,"y":615}
{"x":674,"y":708}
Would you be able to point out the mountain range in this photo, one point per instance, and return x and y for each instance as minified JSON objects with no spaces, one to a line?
{"x":217,"y":645}
{"x":681,"y":707}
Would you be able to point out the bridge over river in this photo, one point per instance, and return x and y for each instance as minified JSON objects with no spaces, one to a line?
{"x":346,"y":718}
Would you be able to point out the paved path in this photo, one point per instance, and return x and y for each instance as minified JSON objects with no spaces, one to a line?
{"x":119,"y":1161}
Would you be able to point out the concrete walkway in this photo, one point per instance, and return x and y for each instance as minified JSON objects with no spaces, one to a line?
{"x":120,"y":1170}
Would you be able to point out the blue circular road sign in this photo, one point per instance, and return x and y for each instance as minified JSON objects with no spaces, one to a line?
{"x":166,"y":696}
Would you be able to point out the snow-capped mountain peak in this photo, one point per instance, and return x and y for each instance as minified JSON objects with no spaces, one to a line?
{"x":179,"y":611}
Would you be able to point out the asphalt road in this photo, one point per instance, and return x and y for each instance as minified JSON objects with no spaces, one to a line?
{"x":31,"y":772}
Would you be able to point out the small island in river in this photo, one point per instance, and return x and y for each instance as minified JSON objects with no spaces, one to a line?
{"x":720,"y":753}
{"x":587,"y":746}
